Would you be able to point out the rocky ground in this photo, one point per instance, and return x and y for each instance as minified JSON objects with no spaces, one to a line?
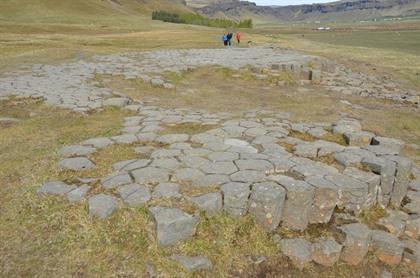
{"x":286,"y":175}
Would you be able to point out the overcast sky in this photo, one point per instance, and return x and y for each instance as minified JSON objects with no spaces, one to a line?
{"x":289,"y":2}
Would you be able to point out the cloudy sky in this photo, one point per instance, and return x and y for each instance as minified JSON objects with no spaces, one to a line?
{"x":289,"y":2}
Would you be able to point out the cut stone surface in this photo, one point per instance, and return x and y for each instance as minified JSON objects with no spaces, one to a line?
{"x":402,"y":179}
{"x":352,"y":193}
{"x":116,"y":179}
{"x":125,"y":139}
{"x":325,"y":199}
{"x":221,"y":167}
{"x":102,"y":205}
{"x":387,"y":247}
{"x":70,"y":151}
{"x":172,"y":138}
{"x":55,"y":188}
{"x":298,"y":205}
{"x":193,"y":263}
{"x":100,"y":142}
{"x":371,"y":179}
{"x":173,"y":225}
{"x":356,"y":244}
{"x":326,"y":251}
{"x":166,"y":190}
{"x":116,"y":101}
{"x":130,"y":165}
{"x":248,"y":176}
{"x":77,"y":195}
{"x":212,"y":180}
{"x":187,"y":175}
{"x":211,"y":203}
{"x":255,"y":164}
{"x":392,"y":144}
{"x":150,"y":175}
{"x":266,"y":204}
{"x":412,"y":252}
{"x":235,"y":198}
{"x":76,"y":164}
{"x":223,"y":156}
{"x":412,"y":228}
{"x":358,"y":138}
{"x":134,"y":195}
{"x":346,"y":125}
{"x":298,"y":251}
{"x":395,"y":222}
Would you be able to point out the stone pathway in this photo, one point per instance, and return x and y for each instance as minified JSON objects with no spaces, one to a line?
{"x":73,"y":85}
{"x":254,"y":165}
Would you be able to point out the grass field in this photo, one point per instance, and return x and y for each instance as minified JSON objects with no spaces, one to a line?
{"x":48,"y":237}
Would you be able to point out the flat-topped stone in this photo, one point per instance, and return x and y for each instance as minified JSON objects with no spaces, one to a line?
{"x":55,"y":188}
{"x":76,"y":164}
{"x":102,"y":205}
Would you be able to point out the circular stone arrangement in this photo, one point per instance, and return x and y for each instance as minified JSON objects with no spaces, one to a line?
{"x":257,"y":165}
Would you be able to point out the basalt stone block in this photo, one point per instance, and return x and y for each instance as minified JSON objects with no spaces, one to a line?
{"x":151,"y":175}
{"x":387,"y":247}
{"x":298,"y":205}
{"x":352,"y":193}
{"x":235,"y":198}
{"x":358,"y":138}
{"x":389,"y":143}
{"x":134,"y":195}
{"x":412,"y":252}
{"x":373,"y":181}
{"x":173,"y":225}
{"x":55,"y":188}
{"x":402,"y":179}
{"x":412,"y":228}
{"x":266,"y":204}
{"x":386,"y":169}
{"x":326,"y":251}
{"x":116,"y":179}
{"x":78,"y":194}
{"x":346,"y":125}
{"x":76,"y":164}
{"x":211,"y":203}
{"x":325,"y":199}
{"x":75,"y":150}
{"x":395,"y":222}
{"x":298,"y":251}
{"x":102,"y":205}
{"x":356,"y":244}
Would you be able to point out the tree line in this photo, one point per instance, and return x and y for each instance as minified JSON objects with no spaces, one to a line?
{"x":195,"y":19}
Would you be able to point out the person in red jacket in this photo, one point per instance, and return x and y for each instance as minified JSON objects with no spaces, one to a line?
{"x":238,"y":37}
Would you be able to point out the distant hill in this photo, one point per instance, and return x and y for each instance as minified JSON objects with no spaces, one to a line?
{"x":345,"y":10}
{"x":74,"y":10}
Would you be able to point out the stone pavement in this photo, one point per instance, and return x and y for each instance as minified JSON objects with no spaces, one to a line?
{"x":73,"y":85}
{"x":253,"y":165}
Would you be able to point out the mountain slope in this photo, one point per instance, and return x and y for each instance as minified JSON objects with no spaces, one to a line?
{"x":74,"y":10}
{"x":340,"y":11}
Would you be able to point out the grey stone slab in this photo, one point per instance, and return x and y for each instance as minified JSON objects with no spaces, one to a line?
{"x":151,"y":175}
{"x":76,"y":164}
{"x":254,"y":164}
{"x":129,"y":165}
{"x":134,"y":195}
{"x":166,"y":190}
{"x":187,"y":175}
{"x":222,"y":156}
{"x":326,"y":251}
{"x":55,"y":188}
{"x":211,"y":203}
{"x":76,"y":150}
{"x":212,"y":180}
{"x":235,"y":198}
{"x":356,"y":244}
{"x":373,"y":181}
{"x":173,"y":225}
{"x":325,"y":199}
{"x":220,"y":167}
{"x":77,"y":195}
{"x":248,"y":176}
{"x":99,"y":142}
{"x":266,"y":204}
{"x":115,"y":180}
{"x":172,"y":138}
{"x":298,"y":251}
{"x":298,"y":205}
{"x":125,"y":139}
{"x":387,"y":247}
{"x":102,"y":206}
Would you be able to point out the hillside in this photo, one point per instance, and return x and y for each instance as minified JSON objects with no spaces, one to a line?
{"x":346,"y":10}
{"x":76,"y":10}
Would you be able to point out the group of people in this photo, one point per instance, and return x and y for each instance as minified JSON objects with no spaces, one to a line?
{"x":227,"y":39}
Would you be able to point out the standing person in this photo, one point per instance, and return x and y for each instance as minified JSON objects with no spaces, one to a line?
{"x":225,"y":39}
{"x":238,"y":37}
{"x":229,"y":38}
